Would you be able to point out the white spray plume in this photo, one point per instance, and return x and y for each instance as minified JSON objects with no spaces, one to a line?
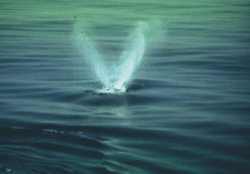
{"x":116,"y":78}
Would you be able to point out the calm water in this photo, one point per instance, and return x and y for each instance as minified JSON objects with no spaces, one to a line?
{"x":186,"y":109}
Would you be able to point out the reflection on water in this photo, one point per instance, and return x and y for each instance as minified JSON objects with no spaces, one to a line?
{"x":113,"y":109}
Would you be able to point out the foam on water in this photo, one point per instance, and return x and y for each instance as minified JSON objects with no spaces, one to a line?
{"x":116,"y":78}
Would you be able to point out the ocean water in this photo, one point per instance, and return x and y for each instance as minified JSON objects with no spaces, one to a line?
{"x":124,"y":87}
